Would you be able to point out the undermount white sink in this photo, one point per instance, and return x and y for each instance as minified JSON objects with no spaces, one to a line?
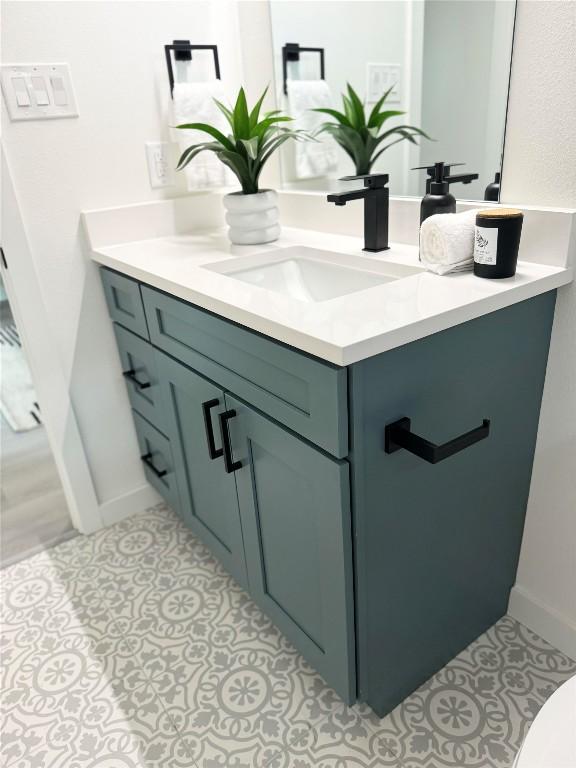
{"x":311,"y":275}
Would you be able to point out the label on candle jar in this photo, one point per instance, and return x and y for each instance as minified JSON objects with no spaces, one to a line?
{"x":485,"y":245}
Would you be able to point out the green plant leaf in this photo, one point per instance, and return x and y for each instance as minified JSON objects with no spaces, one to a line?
{"x":273,"y":144}
{"x":251,"y":146}
{"x":226,"y":112}
{"x":357,"y":107}
{"x":376,"y":107}
{"x":238,"y":165}
{"x":256,"y":110}
{"x":381,"y":117}
{"x":241,"y":117}
{"x":404,"y":129}
{"x":341,"y":118}
{"x":209,"y":129}
{"x":191,"y":152}
{"x":264,"y":126}
{"x":285,"y":133}
{"x":349,"y":111}
{"x":351,"y":141}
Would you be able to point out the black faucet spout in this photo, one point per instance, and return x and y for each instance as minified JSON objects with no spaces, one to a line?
{"x":341,"y":198}
{"x":463,"y":178}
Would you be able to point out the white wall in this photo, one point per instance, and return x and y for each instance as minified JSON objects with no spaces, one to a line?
{"x":60,"y":167}
{"x":540,"y":168}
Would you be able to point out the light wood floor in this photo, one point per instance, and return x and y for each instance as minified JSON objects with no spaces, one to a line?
{"x":33,"y":510}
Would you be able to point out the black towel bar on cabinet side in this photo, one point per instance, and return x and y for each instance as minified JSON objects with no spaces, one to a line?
{"x":398,"y":435}
{"x":183,"y":52}
{"x":291,"y":52}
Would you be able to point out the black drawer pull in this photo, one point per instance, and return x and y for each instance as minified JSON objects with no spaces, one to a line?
{"x":147,"y":459}
{"x":398,"y":435}
{"x":131,"y":374}
{"x":229,"y":464}
{"x":207,"y":406}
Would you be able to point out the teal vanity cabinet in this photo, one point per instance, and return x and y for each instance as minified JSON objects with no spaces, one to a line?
{"x":374,"y":512}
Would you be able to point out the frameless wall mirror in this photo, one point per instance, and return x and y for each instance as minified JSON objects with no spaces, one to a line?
{"x":444,"y":63}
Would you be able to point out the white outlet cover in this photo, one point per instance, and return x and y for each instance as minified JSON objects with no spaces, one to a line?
{"x":48,"y":87}
{"x":160,"y":164}
{"x":380,"y":77}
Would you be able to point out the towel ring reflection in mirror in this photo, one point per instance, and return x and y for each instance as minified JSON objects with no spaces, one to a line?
{"x":291,"y":52}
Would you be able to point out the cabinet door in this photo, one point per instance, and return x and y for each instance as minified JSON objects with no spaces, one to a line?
{"x":209,"y":501}
{"x":295,"y":508}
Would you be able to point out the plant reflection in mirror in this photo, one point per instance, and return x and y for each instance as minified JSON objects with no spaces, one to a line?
{"x":362,"y":135}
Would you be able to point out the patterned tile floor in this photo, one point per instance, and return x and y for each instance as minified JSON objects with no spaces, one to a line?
{"x":132,"y":648}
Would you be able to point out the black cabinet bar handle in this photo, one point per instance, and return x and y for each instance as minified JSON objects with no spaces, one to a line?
{"x":131,"y":374}
{"x":147,"y":459}
{"x":398,"y":435}
{"x":207,"y":406}
{"x":229,"y":464}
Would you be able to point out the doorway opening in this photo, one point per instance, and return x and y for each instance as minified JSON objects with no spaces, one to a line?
{"x":33,"y":510}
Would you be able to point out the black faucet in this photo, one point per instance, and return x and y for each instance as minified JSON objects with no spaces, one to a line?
{"x":375,"y":195}
{"x":437,"y":174}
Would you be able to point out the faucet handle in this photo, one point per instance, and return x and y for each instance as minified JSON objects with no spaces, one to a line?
{"x":371,"y":180}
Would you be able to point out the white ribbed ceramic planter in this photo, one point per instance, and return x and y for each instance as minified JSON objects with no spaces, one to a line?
{"x":252,"y":219}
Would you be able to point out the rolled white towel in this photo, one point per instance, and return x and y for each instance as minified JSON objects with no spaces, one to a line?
{"x":447,"y":242}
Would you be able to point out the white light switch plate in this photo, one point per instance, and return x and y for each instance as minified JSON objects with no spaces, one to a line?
{"x":380,"y":77}
{"x":38,"y":91}
{"x":160,"y":164}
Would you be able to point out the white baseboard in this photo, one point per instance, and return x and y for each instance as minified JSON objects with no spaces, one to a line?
{"x":124,"y":506}
{"x":557,"y":629}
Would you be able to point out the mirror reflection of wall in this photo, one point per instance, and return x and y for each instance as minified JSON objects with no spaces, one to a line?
{"x":449,"y":61}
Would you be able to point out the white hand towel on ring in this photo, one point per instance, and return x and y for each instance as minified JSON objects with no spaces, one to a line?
{"x":194,"y":103}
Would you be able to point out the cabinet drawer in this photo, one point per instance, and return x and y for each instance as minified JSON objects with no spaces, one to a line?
{"x":305,"y":394}
{"x":124,"y":301}
{"x":140,"y":373}
{"x":156,"y":456}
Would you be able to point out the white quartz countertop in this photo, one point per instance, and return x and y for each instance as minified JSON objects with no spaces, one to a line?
{"x":342,"y":330}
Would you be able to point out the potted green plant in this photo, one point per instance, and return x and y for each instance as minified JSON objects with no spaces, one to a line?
{"x":361,"y":135}
{"x":252,"y":214}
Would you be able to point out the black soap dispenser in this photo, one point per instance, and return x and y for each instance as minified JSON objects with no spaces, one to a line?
{"x":492,"y":191}
{"x":438,"y":198}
